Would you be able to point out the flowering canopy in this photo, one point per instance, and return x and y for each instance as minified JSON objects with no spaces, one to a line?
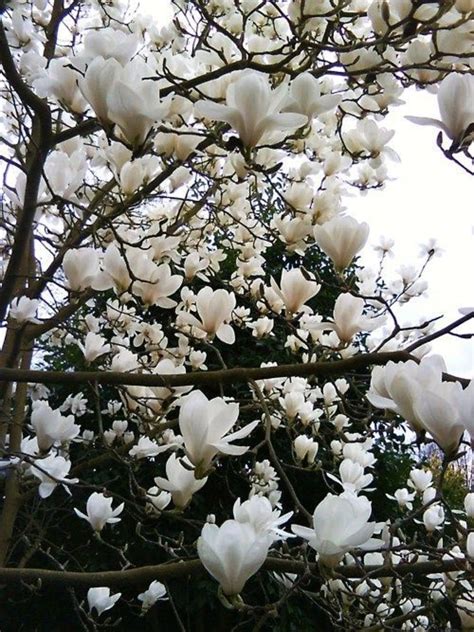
{"x":209,"y":401}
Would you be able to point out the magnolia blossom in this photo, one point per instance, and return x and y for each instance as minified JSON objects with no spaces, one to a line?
{"x":94,"y":346}
{"x":305,"y":448}
{"x":101,"y":599}
{"x":162,"y":394}
{"x":417,"y":393}
{"x":395,"y":385}
{"x":181,"y":482}
{"x":60,"y":81}
{"x":156,"y":591}
{"x":456,"y":107}
{"x":51,"y":427}
{"x":204,"y":425}
{"x":121,"y":95}
{"x":341,"y":238}
{"x":438,"y":415}
{"x":261,"y":327}
{"x":433,"y":517}
{"x":232,"y":553}
{"x":51,"y":471}
{"x":110,"y":42}
{"x":296,"y":288}
{"x":340,"y":523}
{"x":306,"y":98}
{"x":80,"y":268}
{"x":420,"y":480}
{"x":253,"y":109}
{"x":352,"y":477}
{"x":99,"y":511}
{"x":155,"y":284}
{"x":214,"y":308}
{"x":469,"y":505}
{"x":147,"y":448}
{"x":403,"y":498}
{"x":258,"y":512}
{"x":23,"y":309}
{"x":157,"y":500}
{"x":349,"y":319}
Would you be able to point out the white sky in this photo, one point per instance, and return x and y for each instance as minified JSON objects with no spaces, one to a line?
{"x":431,"y":197}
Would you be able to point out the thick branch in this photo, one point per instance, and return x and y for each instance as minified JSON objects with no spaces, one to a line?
{"x":223,"y":376}
{"x":209,"y":378}
{"x":176,"y":570}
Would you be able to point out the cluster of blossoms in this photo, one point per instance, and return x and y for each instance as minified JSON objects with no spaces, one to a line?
{"x":174,"y":242}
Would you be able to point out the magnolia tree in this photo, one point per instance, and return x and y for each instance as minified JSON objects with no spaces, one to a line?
{"x":200,"y":385}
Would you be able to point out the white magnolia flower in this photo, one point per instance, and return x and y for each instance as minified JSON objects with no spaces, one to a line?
{"x":156,"y":282}
{"x":204,"y":425}
{"x":162,"y":394}
{"x":439,"y":416}
{"x":253,"y":109}
{"x":305,"y":448}
{"x":340,"y":523}
{"x":296,"y":288}
{"x":232,"y":553}
{"x":181,"y":482}
{"x":341,"y":238}
{"x":64,"y":173}
{"x":116,"y":270}
{"x":157,"y":499}
{"x":420,"y":480}
{"x":147,"y":448}
{"x":306,"y":98}
{"x":349,"y":319}
{"x":416,"y":392}
{"x":470,"y":545}
{"x":214,"y":308}
{"x":396,"y":385}
{"x":121,"y":95}
{"x":81,"y":266}
{"x":456,"y":107}
{"x":261,"y":327}
{"x":99,"y":511}
{"x":352,"y":477}
{"x":433,"y":517}
{"x":110,"y":42}
{"x":101,"y":599}
{"x":94,"y":346}
{"x":403,"y":497}
{"x":60,"y":81}
{"x":23,"y":309}
{"x":469,"y":504}
{"x":259,"y":512}
{"x":155,"y":592}
{"x":51,"y":471}
{"x":51,"y":427}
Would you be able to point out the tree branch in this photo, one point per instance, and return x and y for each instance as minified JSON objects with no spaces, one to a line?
{"x":222,"y":376}
{"x":191,"y":568}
